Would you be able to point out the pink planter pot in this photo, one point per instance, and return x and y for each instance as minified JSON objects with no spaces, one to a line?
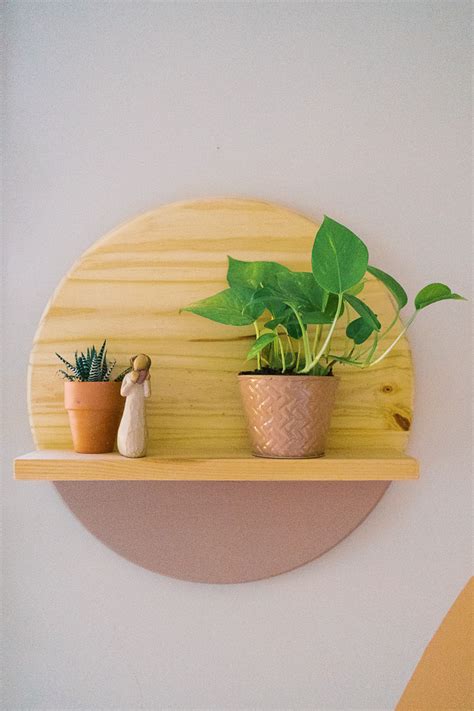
{"x":288,"y":416}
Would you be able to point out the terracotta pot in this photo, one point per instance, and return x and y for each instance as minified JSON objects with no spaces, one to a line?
{"x":94,"y":410}
{"x":288,"y":415}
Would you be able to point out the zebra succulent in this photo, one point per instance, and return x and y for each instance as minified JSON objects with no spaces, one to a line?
{"x":90,"y":367}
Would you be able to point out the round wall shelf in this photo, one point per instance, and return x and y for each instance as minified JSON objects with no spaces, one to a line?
{"x":129,"y":288}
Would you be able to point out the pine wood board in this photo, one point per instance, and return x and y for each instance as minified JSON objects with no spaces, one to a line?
{"x":130,"y":286}
{"x":354,"y":465}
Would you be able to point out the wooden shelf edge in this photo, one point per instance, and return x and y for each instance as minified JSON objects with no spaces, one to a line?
{"x":58,"y":465}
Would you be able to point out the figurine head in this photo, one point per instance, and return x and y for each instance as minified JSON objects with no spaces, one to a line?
{"x":140,"y":366}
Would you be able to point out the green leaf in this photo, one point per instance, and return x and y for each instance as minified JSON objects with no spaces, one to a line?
{"x":332,"y":305}
{"x":392,"y":285}
{"x":296,"y":288}
{"x":253,"y":275}
{"x":234,"y":307}
{"x":434,"y":292}
{"x":267,"y":298}
{"x":273,"y":323}
{"x":359,"y":330}
{"x":357,"y":288}
{"x":364,"y":311}
{"x":317,"y":317}
{"x":301,"y":289}
{"x":339,"y":257}
{"x":262,"y":342}
{"x":288,"y":320}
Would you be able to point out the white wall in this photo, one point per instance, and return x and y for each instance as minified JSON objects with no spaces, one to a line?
{"x":360,"y":110}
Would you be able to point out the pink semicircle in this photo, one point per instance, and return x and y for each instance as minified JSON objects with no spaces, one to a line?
{"x":221,"y":532}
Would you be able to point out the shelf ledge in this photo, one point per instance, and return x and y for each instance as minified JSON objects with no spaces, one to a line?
{"x":354,"y":465}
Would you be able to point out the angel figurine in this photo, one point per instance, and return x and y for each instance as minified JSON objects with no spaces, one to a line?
{"x":132,"y":435}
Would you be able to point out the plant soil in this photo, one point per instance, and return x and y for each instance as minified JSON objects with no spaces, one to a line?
{"x":270,"y":371}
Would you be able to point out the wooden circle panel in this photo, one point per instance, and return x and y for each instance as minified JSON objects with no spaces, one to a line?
{"x":129,"y":288}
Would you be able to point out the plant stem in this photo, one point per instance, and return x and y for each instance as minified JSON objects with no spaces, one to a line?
{"x":282,"y":353}
{"x":290,"y":345}
{"x":347,"y":343}
{"x":394,"y":343}
{"x":271,"y":350}
{"x":257,"y":334}
{"x":311,"y":364}
{"x":372,"y":350}
{"x":382,"y":335}
{"x":317,"y":336}
{"x":306,"y":345}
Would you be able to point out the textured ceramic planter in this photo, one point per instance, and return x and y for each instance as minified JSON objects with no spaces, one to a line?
{"x":94,"y":411}
{"x":288,"y":416}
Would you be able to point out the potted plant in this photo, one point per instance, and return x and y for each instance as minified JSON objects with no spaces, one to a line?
{"x":289,"y":397}
{"x":93,"y":400}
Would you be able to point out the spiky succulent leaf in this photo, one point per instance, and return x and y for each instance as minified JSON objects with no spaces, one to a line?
{"x":105,"y":366}
{"x":93,"y":356}
{"x":66,"y":363}
{"x":95,"y":371}
{"x":110,"y":367}
{"x":72,"y":368}
{"x":66,"y":375}
{"x":81,"y":366}
{"x":90,"y":366}
{"x":102,"y":356}
{"x":84,"y":365}
{"x":122,"y":375}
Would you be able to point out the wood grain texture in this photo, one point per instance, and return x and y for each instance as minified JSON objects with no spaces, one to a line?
{"x":129,"y":288}
{"x":356,"y":465}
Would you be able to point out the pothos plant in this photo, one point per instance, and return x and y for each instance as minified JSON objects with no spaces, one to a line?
{"x":301,"y":309}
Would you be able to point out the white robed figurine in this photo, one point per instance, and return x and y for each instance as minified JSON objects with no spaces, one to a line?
{"x":132,"y":435}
